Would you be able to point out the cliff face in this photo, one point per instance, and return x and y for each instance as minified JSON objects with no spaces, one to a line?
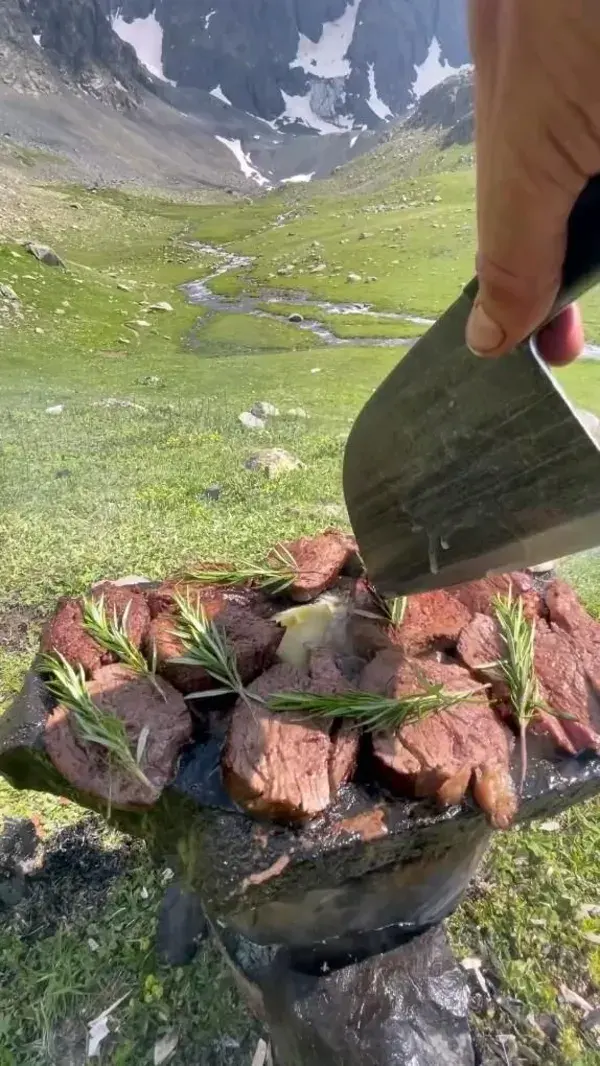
{"x":321,"y":64}
{"x":237,"y":79}
{"x":52,"y":45}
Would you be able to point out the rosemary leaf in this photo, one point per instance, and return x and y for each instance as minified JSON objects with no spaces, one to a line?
{"x":92,"y":724}
{"x":112,"y":634}
{"x":392,"y":610}
{"x":274,"y":576}
{"x":206,"y":646}
{"x":517,"y":667}
{"x":373,"y":712}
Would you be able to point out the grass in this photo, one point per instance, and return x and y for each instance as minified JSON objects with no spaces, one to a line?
{"x":101,"y":490}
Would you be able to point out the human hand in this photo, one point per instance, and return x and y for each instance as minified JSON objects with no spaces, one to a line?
{"x":537,"y":108}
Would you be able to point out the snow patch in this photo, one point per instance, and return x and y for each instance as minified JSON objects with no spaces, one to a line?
{"x":374,"y":101}
{"x":326,"y":58}
{"x":218,"y":94}
{"x":244,"y":161}
{"x":433,"y":70}
{"x":208,"y":17}
{"x":299,"y":109}
{"x":38,"y":39}
{"x":146,"y":38}
{"x":296,"y":179}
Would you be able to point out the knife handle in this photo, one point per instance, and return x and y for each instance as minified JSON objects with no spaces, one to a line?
{"x":581,"y":268}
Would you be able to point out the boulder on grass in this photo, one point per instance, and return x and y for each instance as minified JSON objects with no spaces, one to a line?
{"x":44,"y":254}
{"x":273,"y":462}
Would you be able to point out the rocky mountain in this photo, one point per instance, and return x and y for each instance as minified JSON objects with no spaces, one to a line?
{"x":319,"y":64}
{"x":323,"y":65}
{"x":223,"y":86}
{"x":447,"y":107}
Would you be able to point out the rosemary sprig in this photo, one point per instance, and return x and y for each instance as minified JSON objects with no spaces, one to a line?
{"x":206,"y":646}
{"x":396,"y":609}
{"x":93,"y":725}
{"x":373,"y":712}
{"x":112,"y":635}
{"x":391,"y":610}
{"x":517,"y":668}
{"x":274,"y":575}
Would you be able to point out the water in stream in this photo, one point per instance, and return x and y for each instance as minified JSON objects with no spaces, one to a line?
{"x":199,"y":292}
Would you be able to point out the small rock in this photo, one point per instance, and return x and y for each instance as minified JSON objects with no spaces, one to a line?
{"x":262,"y":409}
{"x":141,"y":323}
{"x":60,"y":311}
{"x":283,"y":271}
{"x":162,"y":305}
{"x":364,"y":236}
{"x":316,"y":370}
{"x":125,"y":286}
{"x":213,"y":492}
{"x":319,"y":268}
{"x":38,"y":329}
{"x":354,"y":277}
{"x":62,"y":474}
{"x":152,"y":381}
{"x":371,"y":278}
{"x":56,"y":410}
{"x":550,"y":827}
{"x":296,"y":412}
{"x":273,"y":462}
{"x":296,"y":317}
{"x":8,"y":293}
{"x":44,"y":254}
{"x":437,"y":199}
{"x":250,"y":421}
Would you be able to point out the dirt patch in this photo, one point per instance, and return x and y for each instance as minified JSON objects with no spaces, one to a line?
{"x":20,"y":627}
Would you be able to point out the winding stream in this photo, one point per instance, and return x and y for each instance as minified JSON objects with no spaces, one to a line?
{"x":199,"y":292}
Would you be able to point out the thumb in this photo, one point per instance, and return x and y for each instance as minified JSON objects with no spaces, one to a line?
{"x":522,"y":243}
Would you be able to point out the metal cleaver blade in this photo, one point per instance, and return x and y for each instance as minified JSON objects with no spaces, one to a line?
{"x":458,"y":467}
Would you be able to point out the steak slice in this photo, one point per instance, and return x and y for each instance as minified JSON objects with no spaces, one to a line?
{"x":445,"y":752}
{"x":134,"y":700}
{"x":65,"y":632}
{"x":319,"y":562}
{"x":572,"y":719}
{"x":478,"y":596}
{"x":253,"y":638}
{"x":569,"y":615}
{"x":432,"y":621}
{"x":163,"y":598}
{"x":281,"y":766}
